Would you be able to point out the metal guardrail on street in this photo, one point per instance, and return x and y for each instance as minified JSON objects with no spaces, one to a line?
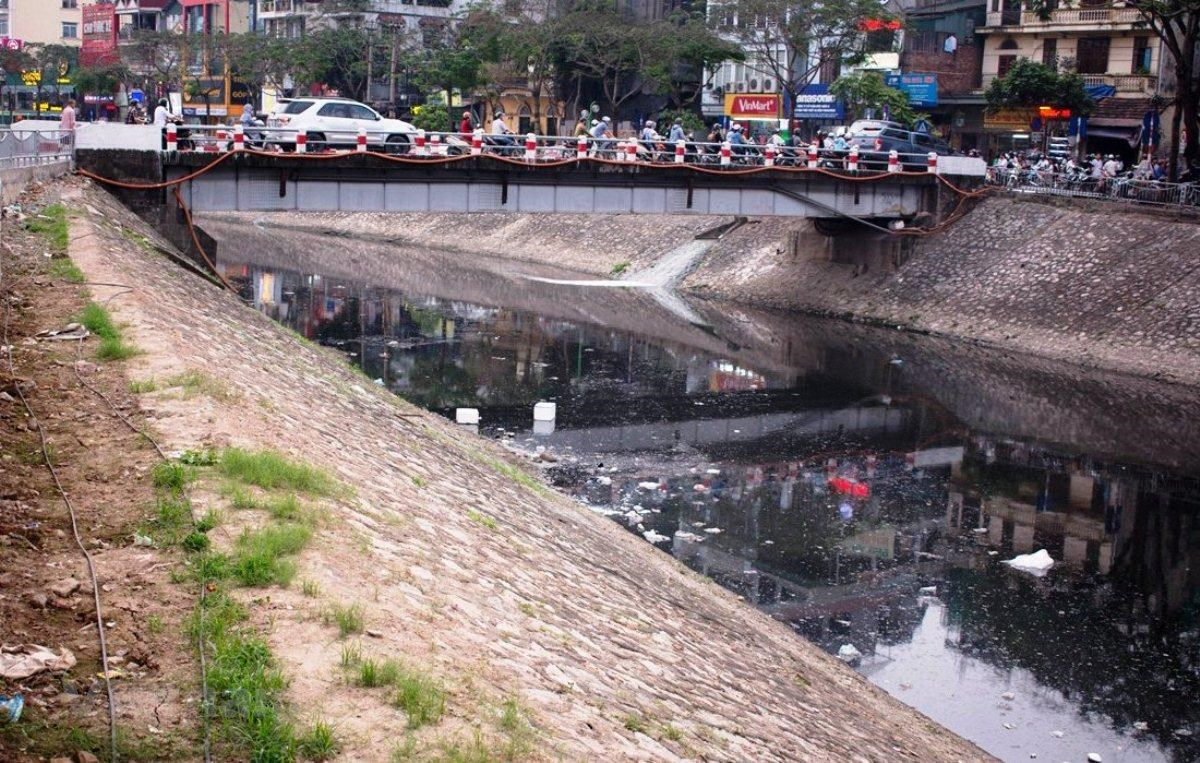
{"x":1119,"y":189}
{"x":28,"y":148}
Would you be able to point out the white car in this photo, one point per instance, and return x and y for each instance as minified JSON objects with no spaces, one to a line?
{"x":335,"y":122}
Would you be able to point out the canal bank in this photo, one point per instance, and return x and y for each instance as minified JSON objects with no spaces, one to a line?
{"x":1093,"y":285}
{"x":461,"y":562}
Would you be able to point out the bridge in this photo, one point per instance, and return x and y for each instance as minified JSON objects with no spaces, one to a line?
{"x":551,"y":176}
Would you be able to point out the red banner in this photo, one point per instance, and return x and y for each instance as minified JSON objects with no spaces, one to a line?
{"x":99,"y":35}
{"x":752,"y":106}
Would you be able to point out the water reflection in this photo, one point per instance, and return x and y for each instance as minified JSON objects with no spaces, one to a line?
{"x":859,"y":485}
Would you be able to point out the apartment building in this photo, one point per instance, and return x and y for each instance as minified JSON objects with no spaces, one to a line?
{"x":1118,"y":58}
{"x":43,"y":21}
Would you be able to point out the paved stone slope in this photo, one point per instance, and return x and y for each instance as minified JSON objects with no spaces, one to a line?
{"x":618,"y":651}
{"x":1120,"y":290}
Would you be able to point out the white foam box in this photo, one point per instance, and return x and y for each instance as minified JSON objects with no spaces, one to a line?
{"x":544,"y":411}
{"x":466,"y":415}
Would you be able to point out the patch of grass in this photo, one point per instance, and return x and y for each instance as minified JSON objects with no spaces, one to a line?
{"x":310,"y":588}
{"x":260,"y":557}
{"x":510,"y":471}
{"x":520,"y":735}
{"x":142,"y":386}
{"x":154,"y":625}
{"x":172,"y":521}
{"x":528,"y":609}
{"x":420,"y":696}
{"x":171,"y":477}
{"x":635,"y":723}
{"x":202,"y":457}
{"x":211,"y":566}
{"x":351,"y":656}
{"x":196,"y":541}
{"x":672,"y":733}
{"x":100,"y":322}
{"x":52,"y":223}
{"x":372,"y":673}
{"x":318,"y":743}
{"x":38,"y":736}
{"x":199,"y":383}
{"x":349,"y":620}
{"x":475,"y":751}
{"x":483,"y":519}
{"x":64,"y":270}
{"x":209,"y":521}
{"x":418,"y":480}
{"x":136,"y":238}
{"x":273,"y":471}
{"x":620,"y":267}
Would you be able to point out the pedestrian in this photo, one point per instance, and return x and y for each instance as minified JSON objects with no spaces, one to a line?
{"x":676,"y":133}
{"x":581,"y":125}
{"x":67,"y":121}
{"x":465,"y":125}
{"x":161,"y":113}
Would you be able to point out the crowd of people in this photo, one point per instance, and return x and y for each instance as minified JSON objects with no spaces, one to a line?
{"x":1098,"y":170}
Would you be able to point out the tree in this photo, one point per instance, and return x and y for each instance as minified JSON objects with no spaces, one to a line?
{"x":696,"y":50}
{"x":1031,"y":83}
{"x":868,"y":90}
{"x":100,"y":80}
{"x":154,"y":54}
{"x":793,"y":42}
{"x":1177,"y":24}
{"x":52,"y":62}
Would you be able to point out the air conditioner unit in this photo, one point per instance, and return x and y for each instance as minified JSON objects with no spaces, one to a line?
{"x":737,"y":87}
{"x":768,"y":85}
{"x":753,"y":86}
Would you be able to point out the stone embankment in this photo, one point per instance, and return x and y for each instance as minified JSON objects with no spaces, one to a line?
{"x":1099,"y":286}
{"x":464,"y":564}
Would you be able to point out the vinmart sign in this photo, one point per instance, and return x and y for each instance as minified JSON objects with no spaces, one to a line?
{"x":751,"y":106}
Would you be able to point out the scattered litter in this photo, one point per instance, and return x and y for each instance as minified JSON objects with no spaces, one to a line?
{"x":603,"y":480}
{"x":685,"y":535}
{"x":848,"y":654}
{"x":700,"y":488}
{"x":1008,"y":696}
{"x":72,"y":331}
{"x":712,"y":471}
{"x":112,"y":673}
{"x":1141,"y":725}
{"x":768,"y":543}
{"x":1094,"y":757}
{"x":24,"y":660}
{"x":1009,"y":726}
{"x":654,"y":537}
{"x":10,"y":707}
{"x":1037,"y":563}
{"x":713,"y":530}
{"x":1183,"y":732}
{"x":648,"y":485}
{"x":1058,"y":734}
{"x":896,"y":360}
{"x":379,"y":382}
{"x":143,"y":540}
{"x":929,"y":590}
{"x":466,"y":415}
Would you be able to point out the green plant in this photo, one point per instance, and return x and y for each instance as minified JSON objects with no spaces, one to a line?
{"x":421,"y":697}
{"x":271,"y":470}
{"x":483,"y":519}
{"x":351,"y":655}
{"x":64,"y":270}
{"x":418,"y":480}
{"x":259,"y":559}
{"x":310,"y":588}
{"x":634,"y":723}
{"x":142,"y":386}
{"x":209,"y":521}
{"x":154,"y":624}
{"x":672,"y":733}
{"x":318,"y":743}
{"x":52,"y":223}
{"x":203,"y":457}
{"x":372,"y":673}
{"x":620,"y":267}
{"x":199,"y":383}
{"x":172,"y":520}
{"x":195,"y":541}
{"x":171,"y":477}
{"x":348,"y":619}
{"x":98,"y":321}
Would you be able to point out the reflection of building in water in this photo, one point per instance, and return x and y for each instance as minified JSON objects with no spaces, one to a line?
{"x":1095,"y":517}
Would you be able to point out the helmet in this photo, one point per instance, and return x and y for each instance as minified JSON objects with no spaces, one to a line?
{"x":650,"y":123}
{"x":498,"y":115}
{"x":678,"y":121}
{"x":606,"y":119}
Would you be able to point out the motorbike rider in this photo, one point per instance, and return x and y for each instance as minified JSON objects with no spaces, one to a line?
{"x":676,"y":133}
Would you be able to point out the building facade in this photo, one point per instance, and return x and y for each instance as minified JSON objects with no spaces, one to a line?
{"x":1118,"y":57}
{"x":45,"y":22}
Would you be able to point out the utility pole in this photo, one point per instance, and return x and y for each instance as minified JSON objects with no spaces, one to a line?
{"x":392,"y":76}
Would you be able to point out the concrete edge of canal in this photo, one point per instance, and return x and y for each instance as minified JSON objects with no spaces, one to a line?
{"x":468,"y":569}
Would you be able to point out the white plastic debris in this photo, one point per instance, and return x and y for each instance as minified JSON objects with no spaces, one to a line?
{"x":713,"y":530}
{"x":1037,"y":563}
{"x":544,"y":411}
{"x":1008,"y":696}
{"x":848,"y":654}
{"x":654,"y":537}
{"x":1094,"y":757}
{"x":466,"y":415}
{"x":603,"y":480}
{"x":648,"y":485}
{"x":929,"y":590}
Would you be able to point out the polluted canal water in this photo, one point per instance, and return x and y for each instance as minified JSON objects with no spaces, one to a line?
{"x":863,"y":486}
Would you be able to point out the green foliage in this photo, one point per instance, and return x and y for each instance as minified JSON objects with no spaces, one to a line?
{"x":431,"y":117}
{"x":635,"y":723}
{"x":63,"y":269}
{"x":483,"y":519}
{"x":172,"y":521}
{"x":99,"y":322}
{"x":270,"y":470}
{"x":372,"y":673}
{"x":52,"y":223}
{"x":620,"y":267}
{"x":196,"y":541}
{"x":1031,"y":83}
{"x":260,"y":556}
{"x":691,"y":121}
{"x":867,"y":90}
{"x":318,"y":743}
{"x":142,"y":386}
{"x":349,"y":619}
{"x":100,"y":80}
{"x":171,"y":477}
{"x":421,"y":697}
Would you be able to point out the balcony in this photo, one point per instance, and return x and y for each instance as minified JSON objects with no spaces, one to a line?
{"x":1129,"y":84}
{"x":1068,"y":18}
{"x":281,"y":7}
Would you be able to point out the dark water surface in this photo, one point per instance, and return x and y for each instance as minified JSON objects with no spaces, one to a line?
{"x":861,"y":485}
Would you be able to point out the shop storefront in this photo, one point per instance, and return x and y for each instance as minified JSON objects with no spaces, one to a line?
{"x":759,"y":112}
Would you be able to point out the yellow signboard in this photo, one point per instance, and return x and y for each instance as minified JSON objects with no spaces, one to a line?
{"x":1009,"y":120}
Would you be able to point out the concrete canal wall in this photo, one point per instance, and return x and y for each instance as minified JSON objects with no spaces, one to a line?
{"x":467,"y":567}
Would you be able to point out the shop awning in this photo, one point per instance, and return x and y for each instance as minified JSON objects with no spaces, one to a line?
{"x":1130,"y":135}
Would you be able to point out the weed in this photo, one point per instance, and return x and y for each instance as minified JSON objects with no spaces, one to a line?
{"x":99,"y":322}
{"x":351,"y":655}
{"x":672,"y":733}
{"x":211,"y":566}
{"x":635,"y":723}
{"x":528,"y":609}
{"x":196,"y":541}
{"x":64,"y":270}
{"x":271,"y":471}
{"x":318,"y":743}
{"x":154,"y":624}
{"x":520,"y":734}
{"x":207,"y":522}
{"x":310,"y":588}
{"x":418,"y":480}
{"x":348,"y":619}
{"x":171,"y":477}
{"x":204,"y":457}
{"x":172,"y":520}
{"x":143,"y":386}
{"x":404,"y":751}
{"x":52,"y":223}
{"x":475,"y":751}
{"x":620,"y":267}
{"x":510,"y":471}
{"x":136,"y":238}
{"x":259,"y":557}
{"x":421,"y":697}
{"x":372,"y":673}
{"x":483,"y":519}
{"x":198,"y":383}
